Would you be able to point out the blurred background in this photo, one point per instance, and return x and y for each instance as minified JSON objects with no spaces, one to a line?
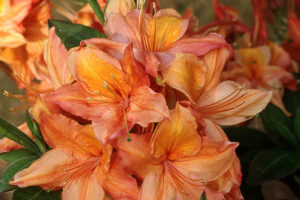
{"x":9,"y":107}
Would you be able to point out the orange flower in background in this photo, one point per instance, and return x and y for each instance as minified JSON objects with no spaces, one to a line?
{"x":78,"y":163}
{"x":252,"y":68}
{"x":157,"y":38}
{"x":113,"y":94}
{"x":176,"y":162}
{"x":28,"y":21}
{"x":224,"y":103}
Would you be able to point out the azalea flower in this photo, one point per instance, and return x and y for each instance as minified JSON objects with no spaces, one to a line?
{"x":223,"y":103}
{"x":175,"y":162}
{"x":157,"y":38}
{"x":113,"y":94}
{"x":252,"y":68}
{"x":78,"y":163}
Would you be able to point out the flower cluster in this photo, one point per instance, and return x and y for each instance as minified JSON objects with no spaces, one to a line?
{"x":137,"y":114}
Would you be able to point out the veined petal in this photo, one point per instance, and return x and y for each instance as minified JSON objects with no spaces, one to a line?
{"x":86,"y":187}
{"x":135,"y":155}
{"x":176,"y":137}
{"x":56,"y":57}
{"x":163,"y":30}
{"x":110,"y":125}
{"x":210,"y":163}
{"x":147,"y":106}
{"x":74,"y":99}
{"x":186,"y":74}
{"x":97,"y":71}
{"x":62,"y":132}
{"x":230,"y":104}
{"x":50,"y":171}
{"x":199,"y":45}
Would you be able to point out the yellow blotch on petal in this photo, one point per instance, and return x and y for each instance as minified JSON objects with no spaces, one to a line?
{"x":4,"y":6}
{"x":162,"y":31}
{"x":100,"y":73}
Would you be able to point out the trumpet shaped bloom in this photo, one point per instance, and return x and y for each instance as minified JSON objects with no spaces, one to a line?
{"x":252,"y":68}
{"x":224,"y":103}
{"x":176,"y":162}
{"x":113,"y":95}
{"x":157,"y":38}
{"x":78,"y":163}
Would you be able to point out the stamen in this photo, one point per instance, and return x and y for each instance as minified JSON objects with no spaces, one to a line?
{"x":106,"y":86}
{"x":126,"y":125}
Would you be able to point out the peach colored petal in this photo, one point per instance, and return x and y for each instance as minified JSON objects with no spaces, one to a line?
{"x":50,"y":171}
{"x":274,"y":75}
{"x":119,"y":184}
{"x":230,"y":104}
{"x":86,"y":187}
{"x":74,"y":99}
{"x":210,"y":163}
{"x":199,"y":45}
{"x":119,"y":6}
{"x":62,"y":132}
{"x":135,"y":155}
{"x":56,"y":56}
{"x":129,"y":31}
{"x":147,"y":106}
{"x":279,"y":57}
{"x":186,"y":74}
{"x":176,"y":137}
{"x":10,"y":38}
{"x":17,"y":12}
{"x":110,"y":125}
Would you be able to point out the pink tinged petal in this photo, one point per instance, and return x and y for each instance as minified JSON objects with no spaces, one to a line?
{"x":277,"y":100}
{"x":50,"y":171}
{"x":147,"y":106}
{"x":85,"y":187}
{"x":123,"y":29}
{"x":199,"y":45}
{"x":56,"y":56}
{"x":276,"y":75}
{"x":74,"y":99}
{"x":213,"y":131}
{"x":280,"y":57}
{"x":110,"y":125}
{"x":294,"y":24}
{"x":212,"y":161}
{"x":213,"y":195}
{"x":231,"y":104}
{"x":119,"y":184}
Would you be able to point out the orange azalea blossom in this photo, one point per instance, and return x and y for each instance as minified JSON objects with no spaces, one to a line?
{"x":225,"y":103}
{"x":23,"y":33}
{"x":157,"y":38}
{"x":114,"y":94}
{"x":78,"y":163}
{"x":7,"y":145}
{"x":252,"y":68}
{"x":176,"y":162}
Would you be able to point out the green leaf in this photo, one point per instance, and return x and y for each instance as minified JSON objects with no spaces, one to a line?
{"x":291,"y":99}
{"x":35,"y":130}
{"x":15,"y":155}
{"x":72,"y":34}
{"x":203,"y":196}
{"x":249,"y":155}
{"x":13,"y":168}
{"x":35,"y":193}
{"x":273,"y":164}
{"x":95,"y":6}
{"x":13,"y":133}
{"x":272,"y":117}
{"x":247,"y":137}
{"x":287,"y":135}
{"x":297,"y":124}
